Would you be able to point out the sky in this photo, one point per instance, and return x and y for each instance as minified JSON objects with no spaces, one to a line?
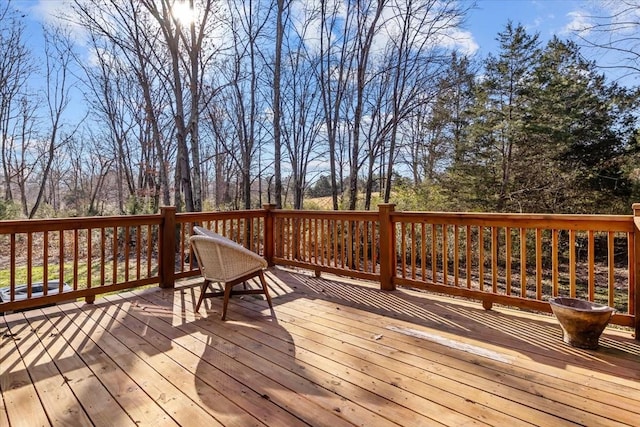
{"x":546,"y":17}
{"x":484,"y":21}
{"x":478,"y":35}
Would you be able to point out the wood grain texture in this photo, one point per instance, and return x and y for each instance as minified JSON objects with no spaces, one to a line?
{"x":337,"y":353}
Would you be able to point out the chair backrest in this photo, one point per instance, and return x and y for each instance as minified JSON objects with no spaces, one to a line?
{"x":222,"y":260}
{"x":201,"y":231}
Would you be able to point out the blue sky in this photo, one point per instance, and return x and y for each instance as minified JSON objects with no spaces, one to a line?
{"x":484,"y":21}
{"x":546,"y":17}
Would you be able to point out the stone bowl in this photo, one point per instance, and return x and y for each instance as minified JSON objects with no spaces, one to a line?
{"x":582,"y":321}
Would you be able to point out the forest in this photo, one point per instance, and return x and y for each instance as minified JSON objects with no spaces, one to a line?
{"x":230,"y":104}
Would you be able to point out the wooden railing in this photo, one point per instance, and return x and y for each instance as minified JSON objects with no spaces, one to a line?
{"x":92,"y":255}
{"x":513,"y":259}
{"x":519,"y":259}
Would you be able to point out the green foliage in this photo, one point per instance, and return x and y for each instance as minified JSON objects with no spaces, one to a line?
{"x":546,"y":134}
{"x":9,"y":209}
{"x":48,"y":211}
{"x":321,"y":188}
{"x":140,"y":206}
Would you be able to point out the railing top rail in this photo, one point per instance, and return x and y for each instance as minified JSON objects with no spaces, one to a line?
{"x":350,"y":215}
{"x":209,"y":215}
{"x":623,"y":223}
{"x":77,"y":223}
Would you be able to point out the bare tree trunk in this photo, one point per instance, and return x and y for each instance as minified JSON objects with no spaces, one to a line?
{"x":58,"y":49}
{"x":333,"y":84}
{"x":276,"y":104}
{"x":16,"y":66}
{"x":368,"y":32}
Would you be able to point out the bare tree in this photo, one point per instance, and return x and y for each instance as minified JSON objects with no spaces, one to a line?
{"x":128,"y":54}
{"x":303,"y":116}
{"x":23,"y":163}
{"x":368,"y":24}
{"x":247,"y":24}
{"x":615,"y":31}
{"x":58,"y":57}
{"x":417,"y":62}
{"x":16,"y":66}
{"x":277,"y":65}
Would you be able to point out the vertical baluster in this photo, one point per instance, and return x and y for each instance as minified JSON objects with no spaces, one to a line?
{"x":335,"y":242}
{"x":445,"y":254}
{"x":30,"y":265}
{"x":434,"y":254}
{"x":61,"y":259}
{"x":423,"y":251}
{"x":591,"y":260}
{"x":149,"y":249}
{"x":508,"y":249}
{"x":456,"y":255}
{"x":127,"y":237}
{"x":115,"y":255}
{"x":469,"y":255}
{"x":365,"y":246}
{"x":403,"y":249}
{"x":538,"y":264}
{"x":75,"y":259}
{"x":45,"y":258}
{"x":183,"y":249}
{"x":611,"y":288}
{"x":494,"y":259}
{"x":631,"y":278}
{"x":138,"y":251}
{"x":554,"y":261}
{"x":413,"y":250}
{"x":103,"y":244}
{"x":572,"y":263}
{"x":523,"y":262}
{"x":375,"y":238}
{"x":89,"y":257}
{"x":481,"y":257}
{"x":305,"y":241}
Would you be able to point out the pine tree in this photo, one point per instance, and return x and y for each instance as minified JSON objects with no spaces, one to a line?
{"x":498,"y":132}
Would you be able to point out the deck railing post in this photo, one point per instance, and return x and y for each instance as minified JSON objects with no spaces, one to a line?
{"x":167,"y":247}
{"x":269,"y":235}
{"x":636,"y":268}
{"x":387,"y":247}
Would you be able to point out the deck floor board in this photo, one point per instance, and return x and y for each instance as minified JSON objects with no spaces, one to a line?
{"x":334,"y":352}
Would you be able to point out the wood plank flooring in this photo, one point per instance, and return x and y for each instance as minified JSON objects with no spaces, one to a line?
{"x":334,"y":352}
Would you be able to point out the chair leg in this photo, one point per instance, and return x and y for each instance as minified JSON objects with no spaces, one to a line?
{"x":225,"y":303}
{"x":265,"y":288}
{"x":203,"y":290}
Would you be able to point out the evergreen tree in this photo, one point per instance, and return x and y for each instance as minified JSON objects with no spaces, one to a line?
{"x":498,"y":133}
{"x":578,"y":128}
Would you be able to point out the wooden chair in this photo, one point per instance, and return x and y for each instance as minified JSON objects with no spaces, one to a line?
{"x":223,"y":261}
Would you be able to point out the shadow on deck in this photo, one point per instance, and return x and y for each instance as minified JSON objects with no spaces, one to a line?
{"x":334,"y":352}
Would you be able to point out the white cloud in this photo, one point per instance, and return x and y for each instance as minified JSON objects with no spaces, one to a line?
{"x":306,"y":17}
{"x":461,"y":41}
{"x":56,"y":14}
{"x":579,"y":22}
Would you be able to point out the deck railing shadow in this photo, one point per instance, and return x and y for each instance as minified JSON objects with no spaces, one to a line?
{"x":513,"y":334}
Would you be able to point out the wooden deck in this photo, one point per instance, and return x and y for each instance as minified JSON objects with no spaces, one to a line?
{"x":335,"y":354}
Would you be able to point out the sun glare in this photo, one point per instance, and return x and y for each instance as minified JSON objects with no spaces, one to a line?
{"x":183,"y":12}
